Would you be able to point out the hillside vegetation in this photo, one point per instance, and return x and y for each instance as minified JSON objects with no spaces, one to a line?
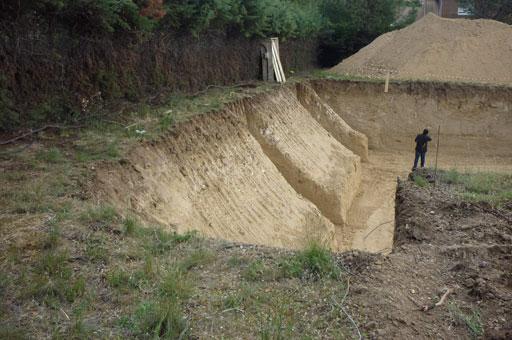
{"x":254,"y":18}
{"x":60,"y":56}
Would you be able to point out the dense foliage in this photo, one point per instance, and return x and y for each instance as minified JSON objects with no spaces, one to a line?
{"x":253,"y":18}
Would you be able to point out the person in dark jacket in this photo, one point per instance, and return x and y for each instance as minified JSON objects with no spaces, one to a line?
{"x":421,"y":148}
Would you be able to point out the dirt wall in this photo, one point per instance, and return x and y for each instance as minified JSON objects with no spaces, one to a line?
{"x":462,"y":111}
{"x":261,"y":171}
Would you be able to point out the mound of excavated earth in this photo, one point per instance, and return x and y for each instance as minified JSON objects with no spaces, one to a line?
{"x":437,"y":48}
{"x":308,"y":161}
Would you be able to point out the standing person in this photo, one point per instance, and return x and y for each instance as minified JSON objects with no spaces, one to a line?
{"x":421,"y":148}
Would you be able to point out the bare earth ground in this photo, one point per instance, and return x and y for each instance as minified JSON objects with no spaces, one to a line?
{"x":442,"y":242}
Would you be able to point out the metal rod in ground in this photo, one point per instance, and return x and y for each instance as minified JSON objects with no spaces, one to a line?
{"x":437,"y":153}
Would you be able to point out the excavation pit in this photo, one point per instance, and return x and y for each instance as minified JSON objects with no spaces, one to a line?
{"x":317,"y":160}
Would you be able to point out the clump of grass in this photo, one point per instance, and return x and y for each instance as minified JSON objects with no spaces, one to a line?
{"x":420,"y":181}
{"x":159,"y":320}
{"x":161,"y":241}
{"x":99,"y":216}
{"x":314,"y":261}
{"x":168,"y":120}
{"x":197,"y":258}
{"x":122,"y":279}
{"x":472,"y":321}
{"x":131,"y":226}
{"x":96,"y":249}
{"x":175,"y":285}
{"x":118,"y":278}
{"x":162,"y":317}
{"x":53,"y":281}
{"x":51,"y":239}
{"x":12,"y":332}
{"x":54,"y":264}
{"x":235,"y":261}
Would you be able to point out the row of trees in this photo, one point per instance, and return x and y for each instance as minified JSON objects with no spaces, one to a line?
{"x":253,"y":18}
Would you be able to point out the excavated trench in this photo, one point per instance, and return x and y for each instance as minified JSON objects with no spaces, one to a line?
{"x":316,"y":160}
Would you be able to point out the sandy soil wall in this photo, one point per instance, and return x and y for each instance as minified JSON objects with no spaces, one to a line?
{"x":314,"y":163}
{"x":332,"y":122}
{"x":392,"y":119}
{"x":261,"y":171}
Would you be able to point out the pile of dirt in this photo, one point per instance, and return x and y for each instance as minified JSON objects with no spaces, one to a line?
{"x":437,"y":48}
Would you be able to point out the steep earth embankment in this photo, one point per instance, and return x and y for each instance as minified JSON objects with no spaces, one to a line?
{"x":437,"y":48}
{"x":261,"y":171}
{"x":293,"y":164}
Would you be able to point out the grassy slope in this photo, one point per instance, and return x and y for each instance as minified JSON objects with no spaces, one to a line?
{"x":74,"y":268}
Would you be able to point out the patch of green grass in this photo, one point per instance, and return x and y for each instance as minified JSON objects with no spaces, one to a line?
{"x":167,"y":121}
{"x":314,"y":261}
{"x":149,"y":268}
{"x":472,"y":320}
{"x":420,"y":181}
{"x":492,"y":188}
{"x":36,"y":194}
{"x":52,"y":280}
{"x":158,"y":320}
{"x":322,"y":74}
{"x":245,"y":297}
{"x":51,"y":155}
{"x":276,"y":327}
{"x":75,"y":290}
{"x":118,"y":278}
{"x":54,"y":264}
{"x":258,"y":271}
{"x":236,"y":261}
{"x":102,"y":215}
{"x":161,"y":241}
{"x":97,"y":150}
{"x":122,"y":279}
{"x":131,"y":226}
{"x":51,"y":239}
{"x":96,"y":249}
{"x":12,"y":332}
{"x":175,"y":285}
{"x":197,"y":258}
